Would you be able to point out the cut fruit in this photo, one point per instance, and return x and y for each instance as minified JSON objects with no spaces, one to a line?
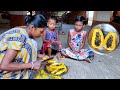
{"x":110,"y":41}
{"x":97,"y":38}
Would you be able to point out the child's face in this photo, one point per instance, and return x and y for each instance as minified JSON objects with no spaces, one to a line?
{"x":51,"y":24}
{"x":78,"y":26}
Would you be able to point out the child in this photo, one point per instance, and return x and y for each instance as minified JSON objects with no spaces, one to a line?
{"x":76,"y":42}
{"x":51,"y":41}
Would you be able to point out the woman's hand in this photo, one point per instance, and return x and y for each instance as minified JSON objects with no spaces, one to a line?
{"x":36,"y":65}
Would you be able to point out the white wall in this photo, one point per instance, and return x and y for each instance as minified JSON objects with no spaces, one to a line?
{"x":90,"y":15}
{"x":18,"y":12}
{"x":102,"y":16}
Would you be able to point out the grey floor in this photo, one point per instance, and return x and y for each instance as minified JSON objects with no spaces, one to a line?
{"x":102,"y":67}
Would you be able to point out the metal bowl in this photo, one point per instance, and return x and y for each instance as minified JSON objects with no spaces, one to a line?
{"x":106,"y":28}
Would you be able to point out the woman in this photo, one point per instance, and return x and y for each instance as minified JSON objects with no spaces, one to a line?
{"x":18,"y":49}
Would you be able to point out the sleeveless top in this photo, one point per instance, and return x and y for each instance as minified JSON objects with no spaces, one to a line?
{"x":51,"y":35}
{"x":77,"y":38}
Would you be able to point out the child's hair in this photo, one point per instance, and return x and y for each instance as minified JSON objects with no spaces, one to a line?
{"x":81,"y":19}
{"x":38,"y":20}
{"x":53,"y":18}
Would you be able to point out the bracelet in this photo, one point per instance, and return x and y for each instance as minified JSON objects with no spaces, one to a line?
{"x":32,"y":65}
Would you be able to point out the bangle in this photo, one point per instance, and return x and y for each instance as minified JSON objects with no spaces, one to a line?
{"x":32,"y":65}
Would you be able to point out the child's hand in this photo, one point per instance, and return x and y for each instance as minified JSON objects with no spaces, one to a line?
{"x":75,"y":52}
{"x":45,"y":57}
{"x":78,"y":51}
{"x":58,"y":42}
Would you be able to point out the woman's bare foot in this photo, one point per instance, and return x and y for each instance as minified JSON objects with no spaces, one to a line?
{"x":63,"y":57}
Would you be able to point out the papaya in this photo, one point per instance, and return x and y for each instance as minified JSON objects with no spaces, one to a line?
{"x":56,"y":77}
{"x":61,"y":71}
{"x":37,"y":76}
{"x":52,"y":61}
{"x":49,"y":69}
{"x":56,"y":68}
{"x":44,"y":58}
{"x":97,"y":38}
{"x":110,"y":41}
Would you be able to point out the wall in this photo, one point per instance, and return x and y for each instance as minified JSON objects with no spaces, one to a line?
{"x":101,"y":17}
{"x":71,"y":16}
{"x":17,"y":18}
{"x":89,"y":15}
{"x":3,"y":21}
{"x":18,"y":12}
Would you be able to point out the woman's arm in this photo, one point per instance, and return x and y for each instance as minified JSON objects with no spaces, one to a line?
{"x":8,"y":65}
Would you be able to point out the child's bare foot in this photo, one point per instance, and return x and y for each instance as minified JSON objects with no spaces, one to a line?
{"x":59,"y":56}
{"x":63,"y":57}
{"x":87,"y":60}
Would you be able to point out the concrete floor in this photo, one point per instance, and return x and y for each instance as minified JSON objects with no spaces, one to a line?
{"x":102,"y":67}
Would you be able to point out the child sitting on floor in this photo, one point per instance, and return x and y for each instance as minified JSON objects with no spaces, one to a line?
{"x":51,"y":42}
{"x":76,"y":42}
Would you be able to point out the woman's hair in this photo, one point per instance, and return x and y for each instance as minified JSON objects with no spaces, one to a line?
{"x":38,"y":20}
{"x":81,"y":19}
{"x":53,"y":18}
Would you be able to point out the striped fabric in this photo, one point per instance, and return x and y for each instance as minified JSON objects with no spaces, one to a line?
{"x":18,"y":39}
